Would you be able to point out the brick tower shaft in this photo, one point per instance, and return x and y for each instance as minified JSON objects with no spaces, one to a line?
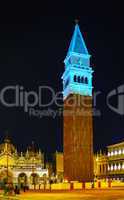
{"x":77,"y":113}
{"x":78,"y":138}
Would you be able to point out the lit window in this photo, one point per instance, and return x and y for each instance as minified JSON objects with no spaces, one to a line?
{"x":115,"y":167}
{"x":119,"y":152}
{"x":119,"y":166}
{"x":109,"y":154}
{"x":116,"y":152}
{"x":112,"y":153}
{"x":111,"y":167}
{"x":123,"y":166}
{"x":123,"y":151}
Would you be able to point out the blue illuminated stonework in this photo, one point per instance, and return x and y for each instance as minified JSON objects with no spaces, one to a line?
{"x":77,"y":78}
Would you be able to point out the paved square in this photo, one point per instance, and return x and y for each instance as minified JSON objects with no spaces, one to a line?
{"x":112,"y":194}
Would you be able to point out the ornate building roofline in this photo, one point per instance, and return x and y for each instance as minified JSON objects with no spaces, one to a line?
{"x":116,"y":145}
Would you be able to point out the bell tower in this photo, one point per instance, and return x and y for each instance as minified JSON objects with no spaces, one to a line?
{"x":77,"y":113}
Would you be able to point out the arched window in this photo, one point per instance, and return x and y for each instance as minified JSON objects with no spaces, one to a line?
{"x":82,"y":79}
{"x":75,"y":78}
{"x":79,"y":79}
{"x":86,"y":80}
{"x":22,"y":179}
{"x":34,"y":178}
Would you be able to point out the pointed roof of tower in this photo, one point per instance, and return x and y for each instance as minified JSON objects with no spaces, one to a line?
{"x":77,"y":44}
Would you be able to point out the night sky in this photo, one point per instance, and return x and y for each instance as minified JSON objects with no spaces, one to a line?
{"x":33,"y":45}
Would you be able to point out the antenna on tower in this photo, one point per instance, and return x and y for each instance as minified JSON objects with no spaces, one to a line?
{"x":7,"y":138}
{"x":76,"y":21}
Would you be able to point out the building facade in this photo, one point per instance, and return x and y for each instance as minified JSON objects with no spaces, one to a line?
{"x":77,"y":114}
{"x":28,"y":168}
{"x":116,"y":161}
{"x":100,"y":165}
{"x":21,"y":168}
{"x":110,"y":165}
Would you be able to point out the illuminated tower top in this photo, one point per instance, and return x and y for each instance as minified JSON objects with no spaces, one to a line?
{"x":77,"y":77}
{"x":77,"y":44}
